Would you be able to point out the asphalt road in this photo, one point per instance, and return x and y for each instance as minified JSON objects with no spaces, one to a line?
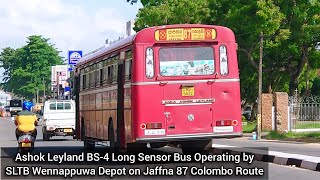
{"x":59,"y":145}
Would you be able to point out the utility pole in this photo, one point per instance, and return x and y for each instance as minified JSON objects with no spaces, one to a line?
{"x":260,"y":87}
{"x":37,"y":95}
{"x":58,"y":86}
{"x":44,"y":89}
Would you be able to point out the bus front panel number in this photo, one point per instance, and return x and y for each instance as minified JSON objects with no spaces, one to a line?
{"x":187,"y":34}
{"x":188,"y":91}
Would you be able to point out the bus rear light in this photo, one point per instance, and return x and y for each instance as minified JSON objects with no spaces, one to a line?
{"x":224,"y":123}
{"x":143,"y":126}
{"x":154,"y":125}
{"x":234,"y":122}
{"x":149,"y":63}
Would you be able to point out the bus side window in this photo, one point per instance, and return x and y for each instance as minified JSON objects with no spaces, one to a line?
{"x":81,"y":81}
{"x":93,"y":84}
{"x":115,"y":72}
{"x":110,"y":71}
{"x":87,"y":81}
{"x":97,"y":76}
{"x":101,"y":77}
{"x":128,"y":69}
{"x":100,"y":73}
{"x":90,"y":79}
{"x":105,"y":74}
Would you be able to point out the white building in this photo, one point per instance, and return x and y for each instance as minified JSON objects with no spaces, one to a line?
{"x":4,"y":98}
{"x":129,"y":28}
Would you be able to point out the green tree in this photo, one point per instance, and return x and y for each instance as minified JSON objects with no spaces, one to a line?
{"x":27,"y":67}
{"x":291,"y":29}
{"x":172,"y":12}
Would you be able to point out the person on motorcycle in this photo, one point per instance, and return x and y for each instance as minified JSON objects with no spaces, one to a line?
{"x":26,"y":122}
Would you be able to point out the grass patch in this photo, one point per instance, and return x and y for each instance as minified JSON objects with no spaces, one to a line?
{"x":294,"y":136}
{"x":249,"y":127}
{"x":307,"y":125}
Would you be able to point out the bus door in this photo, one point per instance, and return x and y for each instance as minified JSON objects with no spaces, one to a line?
{"x":187,"y":94}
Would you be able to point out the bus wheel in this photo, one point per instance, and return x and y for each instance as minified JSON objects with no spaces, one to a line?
{"x":192,"y":147}
{"x":111,"y":136}
{"x":88,"y":145}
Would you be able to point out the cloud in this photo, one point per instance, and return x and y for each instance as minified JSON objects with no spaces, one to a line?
{"x":70,"y":26}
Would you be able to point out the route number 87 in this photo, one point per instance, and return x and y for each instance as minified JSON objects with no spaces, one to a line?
{"x":181,"y":170}
{"x":187,"y":34}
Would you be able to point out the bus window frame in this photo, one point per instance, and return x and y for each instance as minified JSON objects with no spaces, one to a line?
{"x":187,"y":46}
{"x":100,"y":73}
{"x":87,"y":85}
{"x":105,"y":71}
{"x":128,"y":64}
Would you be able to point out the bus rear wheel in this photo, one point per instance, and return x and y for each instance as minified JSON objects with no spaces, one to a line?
{"x":111,"y":136}
{"x":88,"y":145}
{"x":192,"y":147}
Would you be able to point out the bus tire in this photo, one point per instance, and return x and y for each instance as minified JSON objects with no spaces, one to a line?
{"x":87,"y":144}
{"x":111,"y":136}
{"x":192,"y":147}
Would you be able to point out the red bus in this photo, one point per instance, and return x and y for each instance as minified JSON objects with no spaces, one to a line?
{"x":174,"y":84}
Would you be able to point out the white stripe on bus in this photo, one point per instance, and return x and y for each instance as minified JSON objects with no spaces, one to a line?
{"x":186,"y":81}
{"x":189,"y":104}
{"x":128,"y":85}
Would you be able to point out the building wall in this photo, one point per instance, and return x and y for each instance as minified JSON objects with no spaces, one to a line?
{"x":4,"y":98}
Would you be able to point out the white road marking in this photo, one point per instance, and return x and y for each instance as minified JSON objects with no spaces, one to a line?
{"x":273,"y":153}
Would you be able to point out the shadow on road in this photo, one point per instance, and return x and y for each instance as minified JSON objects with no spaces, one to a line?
{"x":53,"y":140}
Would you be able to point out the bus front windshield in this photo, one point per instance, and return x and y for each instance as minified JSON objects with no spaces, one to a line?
{"x":186,"y":61}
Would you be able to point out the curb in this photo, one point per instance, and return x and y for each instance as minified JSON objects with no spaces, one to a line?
{"x":262,"y":155}
{"x":275,"y":140}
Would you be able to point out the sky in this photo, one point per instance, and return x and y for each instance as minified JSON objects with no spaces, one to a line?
{"x":70,"y":24}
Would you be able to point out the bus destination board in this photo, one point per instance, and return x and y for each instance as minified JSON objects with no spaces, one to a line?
{"x":185,"y":34}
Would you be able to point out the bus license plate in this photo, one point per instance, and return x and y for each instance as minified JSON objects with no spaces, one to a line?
{"x":149,"y":132}
{"x":223,"y":129}
{"x":187,"y":91}
{"x":25,"y":144}
{"x":67,"y":130}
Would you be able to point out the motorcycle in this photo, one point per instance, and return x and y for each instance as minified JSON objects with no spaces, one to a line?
{"x":26,"y":143}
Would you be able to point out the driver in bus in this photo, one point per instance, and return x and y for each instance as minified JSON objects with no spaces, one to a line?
{"x":26,"y":122}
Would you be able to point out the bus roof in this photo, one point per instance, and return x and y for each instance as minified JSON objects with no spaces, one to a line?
{"x":103,"y":51}
{"x":140,"y":36}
